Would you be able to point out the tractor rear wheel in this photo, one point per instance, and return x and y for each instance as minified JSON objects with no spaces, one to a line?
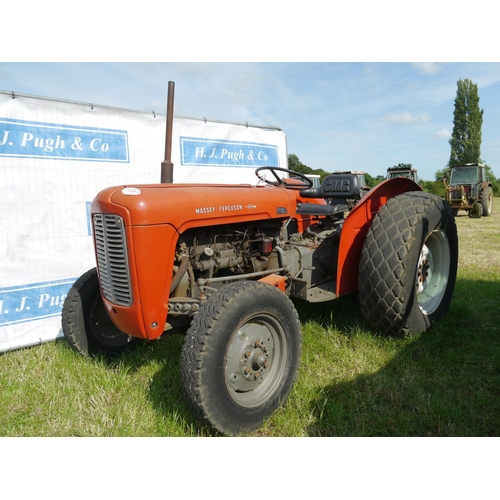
{"x":486,"y":200}
{"x":85,"y":322}
{"x":408,"y":264}
{"x":241,"y":356}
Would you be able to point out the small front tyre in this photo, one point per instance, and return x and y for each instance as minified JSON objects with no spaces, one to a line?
{"x":85,"y":322}
{"x":408,"y":264}
{"x":241,"y":356}
{"x":476,"y":211}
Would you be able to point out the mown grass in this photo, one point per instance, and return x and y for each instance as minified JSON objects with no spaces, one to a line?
{"x":352,"y":382}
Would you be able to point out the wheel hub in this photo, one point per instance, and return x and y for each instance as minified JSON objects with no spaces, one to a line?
{"x":423,"y":269}
{"x":248,"y":358}
{"x":254,"y":362}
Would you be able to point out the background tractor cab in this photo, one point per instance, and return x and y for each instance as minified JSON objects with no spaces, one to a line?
{"x":469,"y":190}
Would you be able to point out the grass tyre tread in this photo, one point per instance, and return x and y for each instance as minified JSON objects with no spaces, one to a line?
{"x":389,"y":273}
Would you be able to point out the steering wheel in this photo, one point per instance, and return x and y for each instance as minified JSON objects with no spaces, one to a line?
{"x":284,"y":182}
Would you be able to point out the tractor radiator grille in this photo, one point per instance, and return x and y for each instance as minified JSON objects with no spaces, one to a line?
{"x":112,"y":263}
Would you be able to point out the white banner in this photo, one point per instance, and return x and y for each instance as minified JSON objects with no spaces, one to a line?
{"x":55,"y":156}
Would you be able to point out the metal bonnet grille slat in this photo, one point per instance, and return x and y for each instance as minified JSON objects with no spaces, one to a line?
{"x":111,"y":250}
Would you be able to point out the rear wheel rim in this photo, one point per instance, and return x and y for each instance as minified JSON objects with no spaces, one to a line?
{"x":433,"y":271}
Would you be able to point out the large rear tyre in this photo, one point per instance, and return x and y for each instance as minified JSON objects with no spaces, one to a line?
{"x":241,"y":356}
{"x":486,"y":200}
{"x":408,"y":264}
{"x":85,"y":322}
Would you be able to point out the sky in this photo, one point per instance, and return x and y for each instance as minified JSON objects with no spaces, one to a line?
{"x":336,"y":115}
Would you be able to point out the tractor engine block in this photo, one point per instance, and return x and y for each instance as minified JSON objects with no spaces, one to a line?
{"x":207,"y":258}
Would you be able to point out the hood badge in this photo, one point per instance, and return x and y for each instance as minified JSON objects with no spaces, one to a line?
{"x":130,"y":191}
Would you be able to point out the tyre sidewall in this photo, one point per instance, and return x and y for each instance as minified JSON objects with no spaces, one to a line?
{"x":436,"y":218}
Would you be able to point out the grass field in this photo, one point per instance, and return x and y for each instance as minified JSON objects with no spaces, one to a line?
{"x":352,"y":382}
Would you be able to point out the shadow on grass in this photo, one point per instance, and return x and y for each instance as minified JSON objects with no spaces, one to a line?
{"x":165,"y":390}
{"x":445,"y":382}
{"x":159,"y":362}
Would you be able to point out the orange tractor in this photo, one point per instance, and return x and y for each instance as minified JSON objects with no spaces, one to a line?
{"x":224,"y":261}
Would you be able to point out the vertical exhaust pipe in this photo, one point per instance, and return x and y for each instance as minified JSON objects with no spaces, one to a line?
{"x":167,"y":167}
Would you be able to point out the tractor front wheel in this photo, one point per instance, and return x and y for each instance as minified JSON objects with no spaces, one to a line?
{"x":241,"y":356}
{"x":476,"y":211}
{"x":85,"y":322}
{"x":408,"y":264}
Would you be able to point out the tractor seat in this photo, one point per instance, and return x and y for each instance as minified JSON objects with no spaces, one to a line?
{"x":336,"y":189}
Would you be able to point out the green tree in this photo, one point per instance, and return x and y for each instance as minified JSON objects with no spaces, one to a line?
{"x":434,"y":187}
{"x":466,"y":137}
{"x":296,"y":165}
{"x":373,"y":181}
{"x":490,"y":176}
{"x":444,"y":172}
{"x":370,"y":182}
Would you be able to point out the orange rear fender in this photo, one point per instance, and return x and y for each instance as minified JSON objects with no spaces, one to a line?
{"x":356,"y":226}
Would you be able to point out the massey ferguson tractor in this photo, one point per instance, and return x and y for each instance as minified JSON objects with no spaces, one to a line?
{"x":225,"y":261}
